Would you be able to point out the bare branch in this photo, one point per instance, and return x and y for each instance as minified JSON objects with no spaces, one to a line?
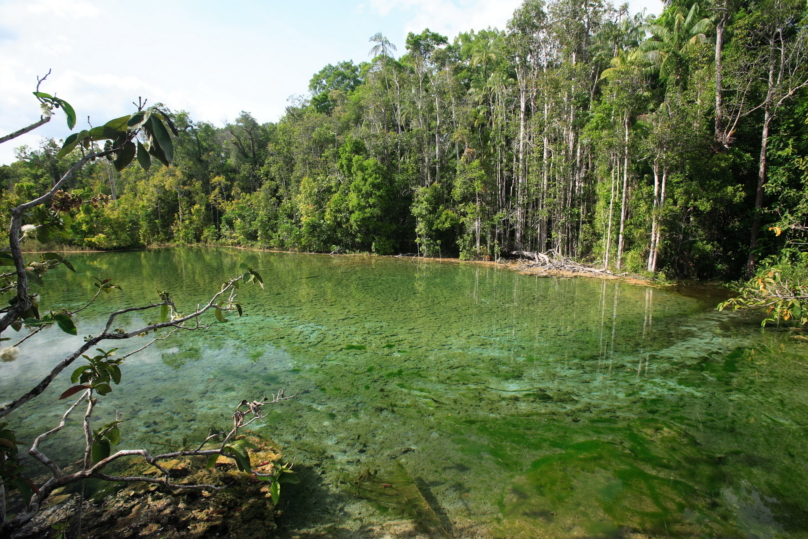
{"x":34,"y":451}
{"x":177,"y":323}
{"x":40,"y":81}
{"x":88,"y":431}
{"x":24,"y":130}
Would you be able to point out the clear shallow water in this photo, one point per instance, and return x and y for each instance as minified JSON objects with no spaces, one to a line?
{"x":518,"y":406}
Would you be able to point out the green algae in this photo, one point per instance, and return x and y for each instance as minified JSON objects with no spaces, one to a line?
{"x":537,"y":407}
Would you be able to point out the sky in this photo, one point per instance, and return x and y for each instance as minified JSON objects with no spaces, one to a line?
{"x":211,"y":58}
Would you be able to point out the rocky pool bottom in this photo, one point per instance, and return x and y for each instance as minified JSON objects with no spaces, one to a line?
{"x":452,"y":400}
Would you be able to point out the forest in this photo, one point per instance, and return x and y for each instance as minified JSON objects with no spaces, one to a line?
{"x":672,"y":145}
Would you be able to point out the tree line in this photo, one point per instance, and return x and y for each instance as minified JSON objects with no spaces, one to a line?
{"x":674,"y":143}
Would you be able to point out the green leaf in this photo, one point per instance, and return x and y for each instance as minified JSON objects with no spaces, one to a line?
{"x":238,"y":308}
{"x":257,"y":278}
{"x":102,"y":132}
{"x":102,"y":389}
{"x":143,"y":157}
{"x":25,"y":490}
{"x":34,"y":277}
{"x":275,"y":491}
{"x":68,"y":265}
{"x":73,"y":390}
{"x":242,"y":461}
{"x":43,"y":234}
{"x":212,"y":461}
{"x":118,"y":124}
{"x":156,"y":152}
{"x":52,"y":256}
{"x":219,"y":316}
{"x":137,"y":120}
{"x":171,"y":125}
{"x":125,"y":156}
{"x":65,"y":323}
{"x":164,"y":310}
{"x":78,"y":372}
{"x":289,"y":477}
{"x":9,"y":444}
{"x":244,"y":444}
{"x":43,"y":95}
{"x":113,"y":435}
{"x":101,"y":449}
{"x":116,"y":374}
{"x":67,"y":147}
{"x":162,"y":137}
{"x":69,"y":112}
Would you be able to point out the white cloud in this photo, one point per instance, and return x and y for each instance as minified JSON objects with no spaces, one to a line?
{"x":74,"y":9}
{"x":449,"y":17}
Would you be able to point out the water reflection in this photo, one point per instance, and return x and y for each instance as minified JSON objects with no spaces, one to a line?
{"x":576,"y":407}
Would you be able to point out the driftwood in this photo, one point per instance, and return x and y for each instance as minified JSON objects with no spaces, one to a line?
{"x":552,"y":261}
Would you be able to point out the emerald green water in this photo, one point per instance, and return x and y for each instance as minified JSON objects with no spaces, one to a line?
{"x":517,"y":406}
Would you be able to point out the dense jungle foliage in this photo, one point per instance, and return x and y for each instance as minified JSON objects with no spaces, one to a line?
{"x":676,"y":143}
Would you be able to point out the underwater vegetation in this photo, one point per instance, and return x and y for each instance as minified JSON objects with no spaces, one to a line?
{"x":492,"y":403}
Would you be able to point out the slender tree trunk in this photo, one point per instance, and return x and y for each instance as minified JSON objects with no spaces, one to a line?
{"x":615,"y":164}
{"x":762,"y":167}
{"x":542,"y":232}
{"x":111,"y":175}
{"x":658,"y":241}
{"x":654,"y":216}
{"x":720,"y":136}
{"x":437,"y":137}
{"x":620,"y":242}
{"x":762,"y":164}
{"x":520,"y":179}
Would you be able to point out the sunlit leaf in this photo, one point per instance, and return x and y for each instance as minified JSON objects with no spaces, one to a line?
{"x":118,"y":124}
{"x":275,"y":491}
{"x":137,"y":120}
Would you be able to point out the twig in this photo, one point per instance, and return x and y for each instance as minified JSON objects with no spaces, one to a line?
{"x":41,"y":457}
{"x":40,"y":81}
{"x":39,"y":388}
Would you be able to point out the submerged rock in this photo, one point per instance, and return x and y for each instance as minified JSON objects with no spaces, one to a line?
{"x":244,"y":509}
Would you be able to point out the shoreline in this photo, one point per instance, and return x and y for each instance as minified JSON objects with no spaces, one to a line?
{"x":521,"y":265}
